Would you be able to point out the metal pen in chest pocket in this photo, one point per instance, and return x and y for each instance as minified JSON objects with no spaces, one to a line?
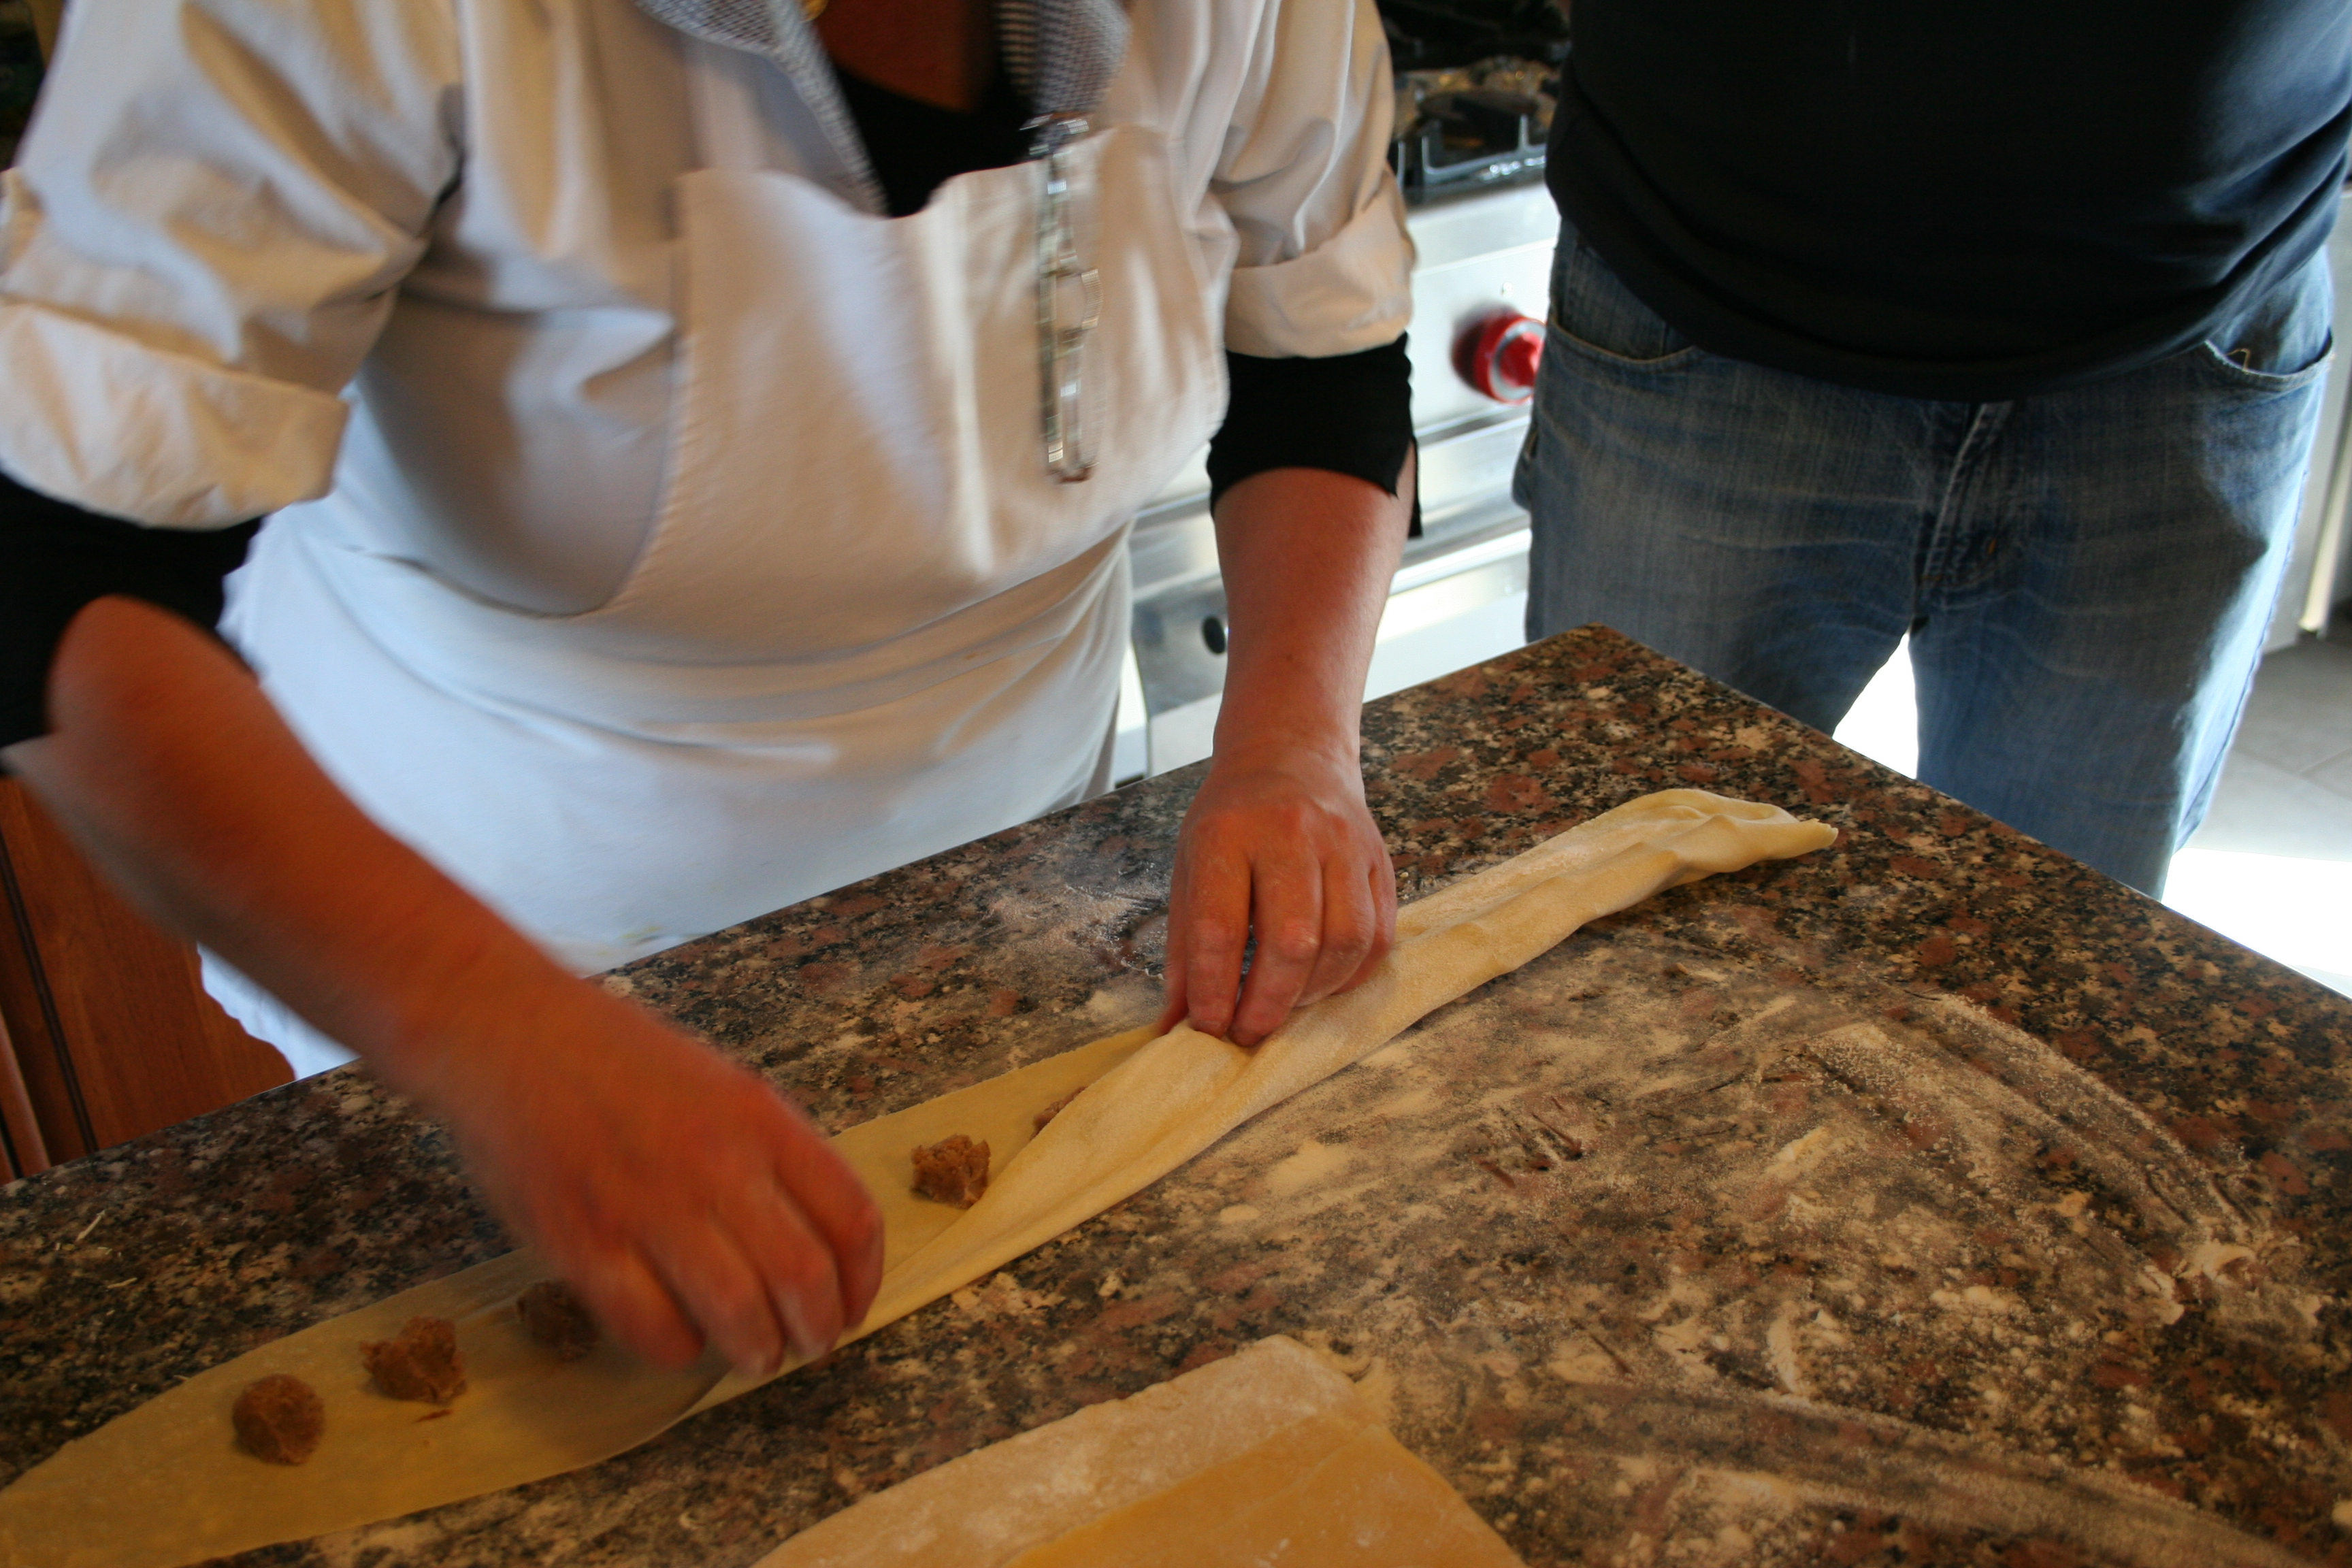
{"x":1069,"y":296}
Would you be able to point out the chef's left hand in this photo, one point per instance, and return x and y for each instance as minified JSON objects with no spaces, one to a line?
{"x":1277,"y":844}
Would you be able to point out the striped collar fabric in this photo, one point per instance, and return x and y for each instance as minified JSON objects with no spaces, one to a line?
{"x":1061,"y":55}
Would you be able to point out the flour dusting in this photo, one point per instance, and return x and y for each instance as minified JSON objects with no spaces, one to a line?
{"x":1820,"y":1244}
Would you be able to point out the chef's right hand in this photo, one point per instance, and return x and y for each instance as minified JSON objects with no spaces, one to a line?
{"x":681,"y":1197}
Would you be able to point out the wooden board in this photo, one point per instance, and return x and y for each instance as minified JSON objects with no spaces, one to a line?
{"x":111,"y":1034}
{"x":47,"y":16}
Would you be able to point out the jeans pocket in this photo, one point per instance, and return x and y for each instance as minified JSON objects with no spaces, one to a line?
{"x":1595,"y":313}
{"x":2236,"y":368}
{"x":2278,"y":342}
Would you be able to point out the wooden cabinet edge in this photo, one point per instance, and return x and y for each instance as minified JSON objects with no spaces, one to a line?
{"x":39,"y":1062}
{"x":22,"y":1149}
{"x":47,"y":17}
{"x":113,"y":1035}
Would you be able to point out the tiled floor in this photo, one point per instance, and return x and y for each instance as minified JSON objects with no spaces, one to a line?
{"x":2272,"y":867}
{"x":2288,"y":788}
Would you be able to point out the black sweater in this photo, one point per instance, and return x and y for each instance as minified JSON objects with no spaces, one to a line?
{"x":1970,"y":202}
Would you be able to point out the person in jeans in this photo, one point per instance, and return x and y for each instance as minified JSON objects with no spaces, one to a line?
{"x":2001,"y":326}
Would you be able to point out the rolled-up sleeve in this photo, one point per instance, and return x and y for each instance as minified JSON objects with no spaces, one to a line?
{"x":214,"y":206}
{"x":1324,"y":266}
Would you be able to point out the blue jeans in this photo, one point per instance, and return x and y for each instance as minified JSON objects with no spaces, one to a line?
{"x":2085,"y":575}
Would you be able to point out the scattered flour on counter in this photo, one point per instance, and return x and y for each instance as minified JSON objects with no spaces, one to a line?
{"x":1764,"y":1222}
{"x":1313,"y":1164}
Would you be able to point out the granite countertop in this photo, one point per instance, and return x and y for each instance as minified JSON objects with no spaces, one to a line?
{"x":1931,"y":1199}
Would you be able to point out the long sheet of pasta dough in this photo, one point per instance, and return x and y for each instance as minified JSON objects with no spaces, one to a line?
{"x":177,"y":1491}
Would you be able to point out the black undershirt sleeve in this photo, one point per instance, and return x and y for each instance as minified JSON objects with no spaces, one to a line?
{"x":1349,"y":414}
{"x":56,"y":558}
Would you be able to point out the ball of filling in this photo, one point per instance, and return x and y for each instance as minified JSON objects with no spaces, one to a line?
{"x":279,"y":1419}
{"x":421,"y":1363}
{"x":952,"y":1170}
{"x":553,"y":1316}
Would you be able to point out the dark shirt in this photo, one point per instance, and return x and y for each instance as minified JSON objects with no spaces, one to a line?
{"x":1968,"y":202}
{"x":916,"y":147}
{"x":56,"y":558}
{"x":1349,"y":414}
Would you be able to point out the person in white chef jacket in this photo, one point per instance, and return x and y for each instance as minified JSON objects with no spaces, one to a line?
{"x":660,"y":534}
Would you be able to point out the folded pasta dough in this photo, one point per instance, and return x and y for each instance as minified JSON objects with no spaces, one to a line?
{"x":179,"y":1491}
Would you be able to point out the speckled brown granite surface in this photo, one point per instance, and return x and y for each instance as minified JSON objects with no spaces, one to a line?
{"x":1928,"y":1200}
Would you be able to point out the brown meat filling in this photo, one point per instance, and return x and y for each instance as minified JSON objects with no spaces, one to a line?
{"x":279,"y":1419}
{"x":555,"y":1318}
{"x":421,"y":1363}
{"x":1054,"y":1110}
{"x":952,"y":1170}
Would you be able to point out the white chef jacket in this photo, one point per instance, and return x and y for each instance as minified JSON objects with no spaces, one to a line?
{"x":224,"y":202}
{"x":219,"y":202}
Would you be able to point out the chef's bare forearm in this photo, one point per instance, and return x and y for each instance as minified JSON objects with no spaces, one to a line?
{"x":589,"y":1125}
{"x":1277,"y":848}
{"x":178,"y":777}
{"x":1307,"y":556}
